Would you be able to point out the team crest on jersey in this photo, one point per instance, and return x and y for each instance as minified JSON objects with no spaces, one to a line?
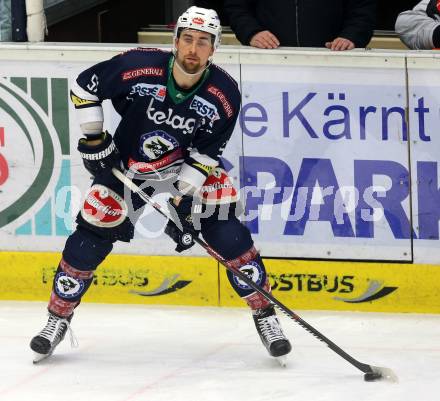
{"x":204,"y":108}
{"x":155,"y":144}
{"x":254,"y":271}
{"x":103,"y":207}
{"x":68,"y":287}
{"x":158,"y":92}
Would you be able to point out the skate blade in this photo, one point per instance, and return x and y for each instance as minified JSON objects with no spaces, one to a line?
{"x":40,"y":357}
{"x":282,"y":360}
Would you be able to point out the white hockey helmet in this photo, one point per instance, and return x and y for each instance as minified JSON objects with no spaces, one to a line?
{"x":200,"y":19}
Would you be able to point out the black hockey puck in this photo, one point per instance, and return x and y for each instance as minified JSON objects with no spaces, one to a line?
{"x":372,"y":376}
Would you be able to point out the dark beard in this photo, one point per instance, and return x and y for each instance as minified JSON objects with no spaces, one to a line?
{"x":191,"y":69}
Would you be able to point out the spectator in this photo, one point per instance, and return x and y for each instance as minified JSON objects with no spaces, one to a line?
{"x":335,"y":24}
{"x":5,"y":21}
{"x":419,"y":28}
{"x":18,"y":20}
{"x":216,"y":5}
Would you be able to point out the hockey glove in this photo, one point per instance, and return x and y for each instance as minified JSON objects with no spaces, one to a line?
{"x":101,"y":157}
{"x":433,"y":9}
{"x":184,"y":238}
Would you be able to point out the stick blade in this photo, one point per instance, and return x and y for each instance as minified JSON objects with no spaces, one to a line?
{"x":381,"y":373}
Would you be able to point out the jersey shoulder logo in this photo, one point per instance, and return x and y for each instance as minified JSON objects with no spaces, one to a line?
{"x":227,"y":107}
{"x":142,"y":72}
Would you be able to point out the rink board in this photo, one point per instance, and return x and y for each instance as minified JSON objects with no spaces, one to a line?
{"x":335,"y":153}
{"x":120,"y":279}
{"x":351,"y":286}
{"x":354,"y":286}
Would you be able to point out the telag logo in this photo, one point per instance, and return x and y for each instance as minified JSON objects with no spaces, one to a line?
{"x":175,"y":121}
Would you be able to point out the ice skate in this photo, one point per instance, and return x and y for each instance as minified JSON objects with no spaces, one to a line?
{"x":271,"y":334}
{"x":45,"y":342}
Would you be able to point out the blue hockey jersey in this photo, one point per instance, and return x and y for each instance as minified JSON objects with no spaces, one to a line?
{"x":163,"y":129}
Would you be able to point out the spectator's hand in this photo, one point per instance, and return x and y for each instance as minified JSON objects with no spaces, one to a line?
{"x":265,"y":40}
{"x":340,"y":44}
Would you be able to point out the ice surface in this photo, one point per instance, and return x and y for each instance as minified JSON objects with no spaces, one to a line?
{"x":134,"y":352}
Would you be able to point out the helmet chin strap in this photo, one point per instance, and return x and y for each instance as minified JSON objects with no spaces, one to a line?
{"x":191,"y":74}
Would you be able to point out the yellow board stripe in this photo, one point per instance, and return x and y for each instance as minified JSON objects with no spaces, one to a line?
{"x":120,"y":279}
{"x":199,"y":281}
{"x":351,"y":286}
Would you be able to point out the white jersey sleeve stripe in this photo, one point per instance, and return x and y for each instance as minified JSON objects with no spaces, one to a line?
{"x":203,"y":159}
{"x":191,"y":176}
{"x":82,"y":93}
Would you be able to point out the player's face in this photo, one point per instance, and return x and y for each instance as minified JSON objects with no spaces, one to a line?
{"x":193,"y":50}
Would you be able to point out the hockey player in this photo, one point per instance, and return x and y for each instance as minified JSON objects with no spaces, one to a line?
{"x":178,"y":111}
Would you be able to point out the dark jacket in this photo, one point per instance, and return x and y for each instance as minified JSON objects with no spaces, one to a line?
{"x":304,"y":23}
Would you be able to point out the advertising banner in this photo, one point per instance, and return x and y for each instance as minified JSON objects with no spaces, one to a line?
{"x":120,"y":279}
{"x":348,"y":286}
{"x":42,"y":178}
{"x":325,"y":164}
{"x":332,"y":157}
{"x":423,"y":96}
{"x":182,"y":280}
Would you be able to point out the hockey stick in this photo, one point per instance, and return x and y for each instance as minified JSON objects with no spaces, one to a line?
{"x":371,"y":373}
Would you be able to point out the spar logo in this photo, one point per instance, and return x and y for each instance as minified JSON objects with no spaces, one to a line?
{"x":29,"y":150}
